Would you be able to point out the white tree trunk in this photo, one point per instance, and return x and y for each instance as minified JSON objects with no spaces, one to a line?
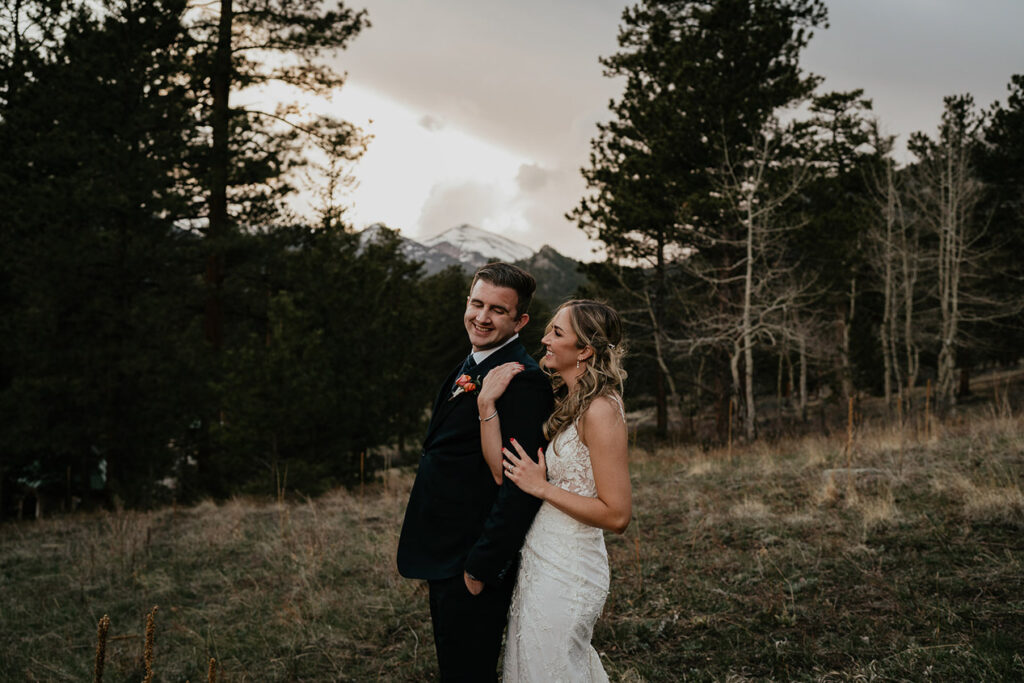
{"x":846,"y":323}
{"x":889,"y":289}
{"x":803,"y":378}
{"x":946,"y":194}
{"x":748,"y":337}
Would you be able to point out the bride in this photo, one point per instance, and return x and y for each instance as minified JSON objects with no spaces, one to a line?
{"x":563,"y":573}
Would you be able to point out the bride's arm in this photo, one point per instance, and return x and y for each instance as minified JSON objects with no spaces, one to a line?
{"x":605,"y":432}
{"x":491,"y":389}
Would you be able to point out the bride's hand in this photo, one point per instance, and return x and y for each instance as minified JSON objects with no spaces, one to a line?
{"x":495,"y":382}
{"x":529,"y":476}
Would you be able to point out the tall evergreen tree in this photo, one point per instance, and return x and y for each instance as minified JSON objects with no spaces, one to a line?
{"x":1001,"y":166}
{"x":832,"y":242}
{"x":702,"y":78}
{"x":248,"y":44}
{"x":105,"y":189}
{"x":95,"y":141}
{"x":245,"y":157}
{"x":30,"y":30}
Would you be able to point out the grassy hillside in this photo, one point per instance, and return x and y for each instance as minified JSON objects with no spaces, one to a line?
{"x":774,"y":562}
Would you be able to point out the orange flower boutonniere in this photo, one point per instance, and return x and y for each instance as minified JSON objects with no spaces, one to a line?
{"x":466,"y":384}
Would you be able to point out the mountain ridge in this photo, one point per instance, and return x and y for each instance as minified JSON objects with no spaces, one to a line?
{"x":468,"y":247}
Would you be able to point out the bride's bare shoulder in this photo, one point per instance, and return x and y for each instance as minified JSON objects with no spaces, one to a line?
{"x":605,"y":408}
{"x":603,"y":417}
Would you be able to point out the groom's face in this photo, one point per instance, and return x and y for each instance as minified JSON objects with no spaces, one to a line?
{"x":491,"y":315}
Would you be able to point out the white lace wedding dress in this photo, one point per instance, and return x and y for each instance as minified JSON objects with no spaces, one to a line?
{"x":562,"y":584}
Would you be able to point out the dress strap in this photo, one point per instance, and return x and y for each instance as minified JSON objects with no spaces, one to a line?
{"x":618,"y":401}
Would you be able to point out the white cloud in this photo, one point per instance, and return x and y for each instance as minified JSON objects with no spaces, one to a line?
{"x":431,"y":123}
{"x":532,"y":177}
{"x":473,"y":202}
{"x":483,"y":111}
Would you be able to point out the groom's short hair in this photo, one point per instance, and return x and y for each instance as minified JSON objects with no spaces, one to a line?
{"x":507,"y":275}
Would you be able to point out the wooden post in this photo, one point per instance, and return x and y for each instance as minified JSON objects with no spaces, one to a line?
{"x":927,"y":410}
{"x":849,"y":432}
{"x":730,"y":426}
{"x":899,"y":417}
{"x":362,"y":470}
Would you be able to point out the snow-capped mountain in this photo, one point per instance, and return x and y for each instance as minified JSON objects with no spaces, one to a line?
{"x":434,"y":260}
{"x":475,"y":247}
{"x":464,"y":246}
{"x":558,"y":276}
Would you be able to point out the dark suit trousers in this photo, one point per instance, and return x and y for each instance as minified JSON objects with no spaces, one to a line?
{"x":468,"y":628}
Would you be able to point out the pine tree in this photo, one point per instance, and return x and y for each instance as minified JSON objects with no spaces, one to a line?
{"x":245,"y":158}
{"x":702,"y":79}
{"x":246,"y":44}
{"x":832,"y":243}
{"x":1000,"y":165}
{"x":90,"y":189}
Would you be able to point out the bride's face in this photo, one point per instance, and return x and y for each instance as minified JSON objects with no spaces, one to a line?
{"x":560,"y":342}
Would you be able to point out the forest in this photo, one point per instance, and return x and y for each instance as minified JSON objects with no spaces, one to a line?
{"x":173,"y":331}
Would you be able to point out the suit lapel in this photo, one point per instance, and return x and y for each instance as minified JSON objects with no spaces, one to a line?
{"x":444,"y":404}
{"x":441,"y":404}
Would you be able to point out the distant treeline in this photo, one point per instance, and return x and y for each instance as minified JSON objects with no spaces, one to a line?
{"x":763,"y":241}
{"x":171,"y":330}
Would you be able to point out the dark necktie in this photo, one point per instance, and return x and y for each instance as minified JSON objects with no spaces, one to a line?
{"x":467,"y":368}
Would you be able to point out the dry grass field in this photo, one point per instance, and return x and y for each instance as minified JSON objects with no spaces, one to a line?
{"x":900,"y":560}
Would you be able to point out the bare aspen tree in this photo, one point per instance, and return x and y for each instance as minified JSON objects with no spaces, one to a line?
{"x":945,"y":193}
{"x":909,"y":261}
{"x":887,"y":241}
{"x":845,"y":318}
{"x":646,"y":319}
{"x":807,"y":329}
{"x":754,"y":182}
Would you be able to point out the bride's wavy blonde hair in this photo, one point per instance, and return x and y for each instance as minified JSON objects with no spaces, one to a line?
{"x":598,"y":326}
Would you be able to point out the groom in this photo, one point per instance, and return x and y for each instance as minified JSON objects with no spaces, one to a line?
{"x":462,"y":532}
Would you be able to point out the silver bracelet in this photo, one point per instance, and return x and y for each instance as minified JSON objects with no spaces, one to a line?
{"x":489,"y":417}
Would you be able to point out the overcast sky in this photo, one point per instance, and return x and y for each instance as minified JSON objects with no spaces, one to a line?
{"x":482,"y":111}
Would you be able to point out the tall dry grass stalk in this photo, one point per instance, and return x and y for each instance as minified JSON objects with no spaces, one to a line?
{"x":101,"y":648}
{"x":211,"y":674}
{"x":150,"y":643}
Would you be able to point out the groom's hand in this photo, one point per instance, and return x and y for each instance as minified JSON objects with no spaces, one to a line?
{"x":472,"y":585}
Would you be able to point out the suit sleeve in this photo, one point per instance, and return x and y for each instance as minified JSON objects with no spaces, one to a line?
{"x":523,"y":409}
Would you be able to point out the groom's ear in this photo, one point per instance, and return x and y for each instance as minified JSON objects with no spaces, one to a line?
{"x":521,"y":323}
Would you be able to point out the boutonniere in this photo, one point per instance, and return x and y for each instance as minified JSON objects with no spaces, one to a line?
{"x":466,"y":384}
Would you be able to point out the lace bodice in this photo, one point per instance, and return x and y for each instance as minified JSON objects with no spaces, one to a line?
{"x":568,"y":461}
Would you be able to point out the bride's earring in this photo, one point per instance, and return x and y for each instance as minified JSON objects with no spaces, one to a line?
{"x":577,"y":363}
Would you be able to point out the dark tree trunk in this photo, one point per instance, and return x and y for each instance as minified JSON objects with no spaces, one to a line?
{"x":220,"y":89}
{"x":965,"y":382}
{"x":219,"y":227}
